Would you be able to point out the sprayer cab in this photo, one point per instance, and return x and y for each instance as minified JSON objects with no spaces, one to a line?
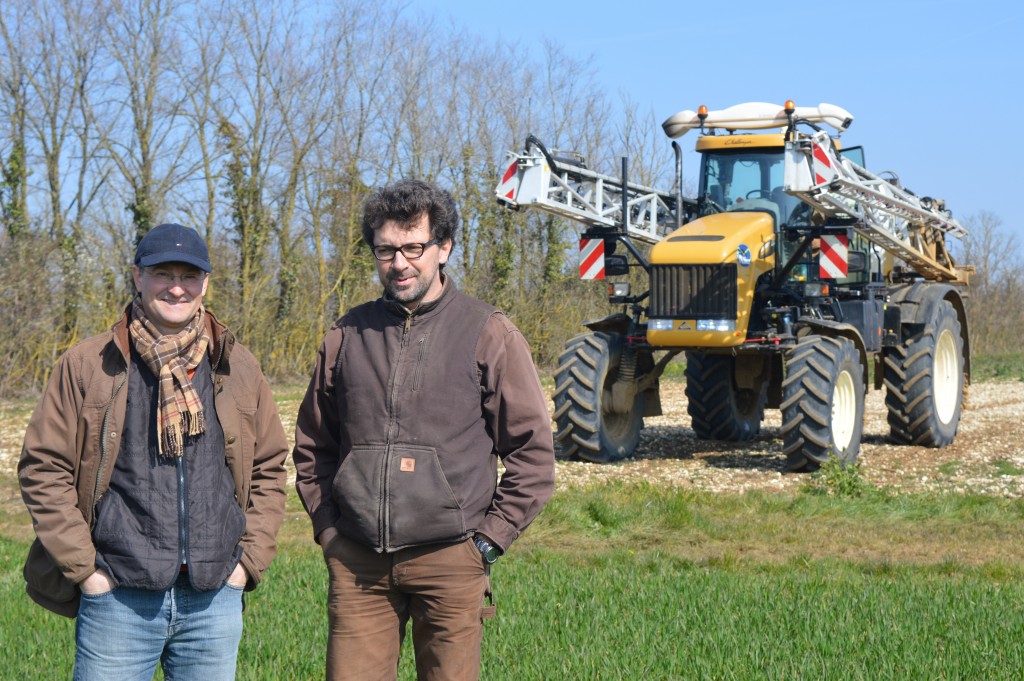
{"x":746,"y":172}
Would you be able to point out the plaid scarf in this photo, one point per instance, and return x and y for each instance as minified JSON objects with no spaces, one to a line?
{"x":171,"y":358}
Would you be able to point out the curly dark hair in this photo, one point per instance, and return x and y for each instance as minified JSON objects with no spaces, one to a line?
{"x":406,"y":200}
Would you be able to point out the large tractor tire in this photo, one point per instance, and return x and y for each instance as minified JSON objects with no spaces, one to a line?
{"x":587,"y":426}
{"x":924,"y":381}
{"x":718,"y":408}
{"x":822,"y":403}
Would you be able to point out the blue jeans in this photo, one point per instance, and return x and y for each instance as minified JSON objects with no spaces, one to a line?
{"x":124,"y":633}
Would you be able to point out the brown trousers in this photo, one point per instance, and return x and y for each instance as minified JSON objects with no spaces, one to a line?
{"x":372,"y":596}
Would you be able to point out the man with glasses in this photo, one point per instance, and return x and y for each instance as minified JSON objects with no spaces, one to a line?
{"x":153,"y":469}
{"x":413,"y":400}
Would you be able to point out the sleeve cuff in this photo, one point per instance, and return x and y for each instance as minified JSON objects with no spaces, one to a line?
{"x":500,"y":532}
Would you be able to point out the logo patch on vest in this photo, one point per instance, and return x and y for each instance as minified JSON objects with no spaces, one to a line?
{"x":407,"y":465}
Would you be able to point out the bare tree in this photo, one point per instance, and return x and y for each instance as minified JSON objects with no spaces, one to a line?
{"x":14,"y":84}
{"x":146,"y":139}
{"x":524,"y":262}
{"x":248,"y":134}
{"x":639,"y":137}
{"x":302,"y":98}
{"x":997,"y":285}
{"x":64,"y":59}
{"x":207,"y":41}
{"x":265,"y":125}
{"x":348,"y":162}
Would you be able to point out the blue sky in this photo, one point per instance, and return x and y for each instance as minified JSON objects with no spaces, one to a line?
{"x":934,"y":87}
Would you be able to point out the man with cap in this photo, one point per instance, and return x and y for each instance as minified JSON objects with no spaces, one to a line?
{"x":153,"y":468}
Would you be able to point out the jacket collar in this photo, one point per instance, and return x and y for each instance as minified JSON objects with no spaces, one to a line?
{"x":427,"y":309}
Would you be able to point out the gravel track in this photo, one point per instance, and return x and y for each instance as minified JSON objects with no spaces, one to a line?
{"x":986,"y":458}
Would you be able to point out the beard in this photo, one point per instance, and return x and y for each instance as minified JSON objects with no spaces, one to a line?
{"x":413,"y":292}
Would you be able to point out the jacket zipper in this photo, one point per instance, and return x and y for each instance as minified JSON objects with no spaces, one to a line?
{"x":386,"y":461}
{"x":417,"y":372}
{"x":182,"y":509}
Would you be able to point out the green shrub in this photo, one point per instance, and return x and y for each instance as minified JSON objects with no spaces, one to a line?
{"x":835,"y":478}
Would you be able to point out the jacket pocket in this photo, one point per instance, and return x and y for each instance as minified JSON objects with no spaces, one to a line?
{"x":391,"y":499}
{"x":422,"y":355}
{"x":46,"y":584}
{"x":241,"y":450}
{"x":422,"y":508}
{"x":357,"y":493}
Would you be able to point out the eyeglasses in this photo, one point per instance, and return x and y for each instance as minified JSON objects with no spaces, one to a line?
{"x":410,"y":251}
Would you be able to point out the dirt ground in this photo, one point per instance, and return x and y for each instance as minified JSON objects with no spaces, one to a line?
{"x":987,"y":457}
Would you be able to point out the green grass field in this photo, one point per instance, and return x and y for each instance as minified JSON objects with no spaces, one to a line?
{"x":839,"y":580}
{"x":624,"y":582}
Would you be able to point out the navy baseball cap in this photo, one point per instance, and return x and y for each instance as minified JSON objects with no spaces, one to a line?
{"x":173,"y":243}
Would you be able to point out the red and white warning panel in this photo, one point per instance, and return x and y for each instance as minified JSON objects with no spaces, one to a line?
{"x":591,"y":258}
{"x":823,"y":170}
{"x":832,"y":260}
{"x":507,"y":188}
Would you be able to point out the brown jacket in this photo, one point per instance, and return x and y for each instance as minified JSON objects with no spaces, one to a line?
{"x":406,"y":416}
{"x":74,"y":435}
